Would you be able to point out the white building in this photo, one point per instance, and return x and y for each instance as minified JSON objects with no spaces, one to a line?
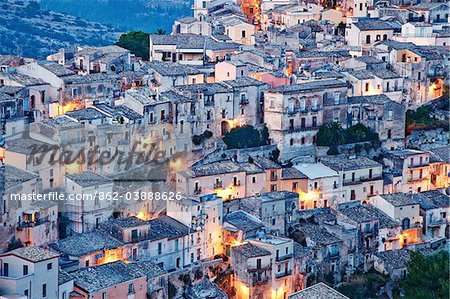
{"x":366,"y":31}
{"x":89,"y":201}
{"x":31,"y":271}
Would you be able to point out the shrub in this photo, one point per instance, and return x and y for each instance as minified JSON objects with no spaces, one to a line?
{"x":333,"y":150}
{"x":246,"y":137}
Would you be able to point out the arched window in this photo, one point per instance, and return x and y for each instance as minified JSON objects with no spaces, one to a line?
{"x":405,"y":223}
{"x":33,"y":100}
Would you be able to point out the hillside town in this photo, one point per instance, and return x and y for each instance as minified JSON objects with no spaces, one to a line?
{"x":266,"y":149}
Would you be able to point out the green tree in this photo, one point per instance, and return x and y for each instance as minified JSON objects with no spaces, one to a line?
{"x":427,"y":276}
{"x":160,"y":31}
{"x":135,"y":41}
{"x":330,"y":134}
{"x":245,"y":137}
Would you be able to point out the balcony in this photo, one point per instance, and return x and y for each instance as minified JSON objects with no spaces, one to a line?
{"x":36,"y":222}
{"x":244,"y":102}
{"x":332,"y":255}
{"x":315,"y":109}
{"x":417,"y":166}
{"x":283,"y":257}
{"x":361,"y":179}
{"x":301,"y":129}
{"x":218,"y":185}
{"x":283,"y":274}
{"x":437,"y":223}
{"x":209,"y":103}
{"x":256,"y":281}
{"x":259,"y":270}
{"x":198,"y":191}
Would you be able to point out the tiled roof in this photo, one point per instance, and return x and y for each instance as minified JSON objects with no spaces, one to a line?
{"x":365,"y":24}
{"x":343,"y":164}
{"x":307,"y":86}
{"x":277,"y":195}
{"x":249,"y":250}
{"x":14,"y":175}
{"x":373,"y":99}
{"x":88,"y":178}
{"x":167,"y":227}
{"x":441,"y":154}
{"x":369,"y":59}
{"x":190,"y":41}
{"x":361,"y":74}
{"x":318,"y":291}
{"x":317,"y":234}
{"x":86,"y":243}
{"x":27,"y":146}
{"x":132,"y":221}
{"x":86,"y":114}
{"x":405,"y":153}
{"x":64,"y":277}
{"x":243,"y":221}
{"x":400,"y":199}
{"x":434,"y":199}
{"x":397,"y":259}
{"x":55,"y":68}
{"x":292,"y":173}
{"x":172,"y":69}
{"x":94,"y":279}
{"x":243,"y":82}
{"x":33,"y":254}
{"x":215,"y":168}
{"x":175,"y":97}
{"x":385,"y":74}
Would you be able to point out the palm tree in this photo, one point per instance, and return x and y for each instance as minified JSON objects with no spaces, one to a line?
{"x":160,"y":31}
{"x":337,"y":136}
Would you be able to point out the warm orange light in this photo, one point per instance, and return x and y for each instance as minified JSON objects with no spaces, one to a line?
{"x":237,"y":243}
{"x":2,"y":154}
{"x":177,"y":165}
{"x":308,"y":196}
{"x":278,"y":294}
{"x":242,"y":290}
{"x":110,"y":256}
{"x":225,"y":193}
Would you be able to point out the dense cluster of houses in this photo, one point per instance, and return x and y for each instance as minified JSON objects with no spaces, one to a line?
{"x":117,"y":182}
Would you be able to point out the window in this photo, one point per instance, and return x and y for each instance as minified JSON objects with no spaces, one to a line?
{"x":25,"y":269}
{"x":336,"y":98}
{"x":5,"y":269}
{"x":44,"y":290}
{"x":254,"y":180}
{"x":243,"y":33}
{"x":130,"y":288}
{"x":367,"y":39}
{"x":86,"y":263}
{"x":367,"y":87}
{"x":159,"y":248}
{"x":176,"y":245}
{"x":104,"y":295}
{"x":49,"y":266}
